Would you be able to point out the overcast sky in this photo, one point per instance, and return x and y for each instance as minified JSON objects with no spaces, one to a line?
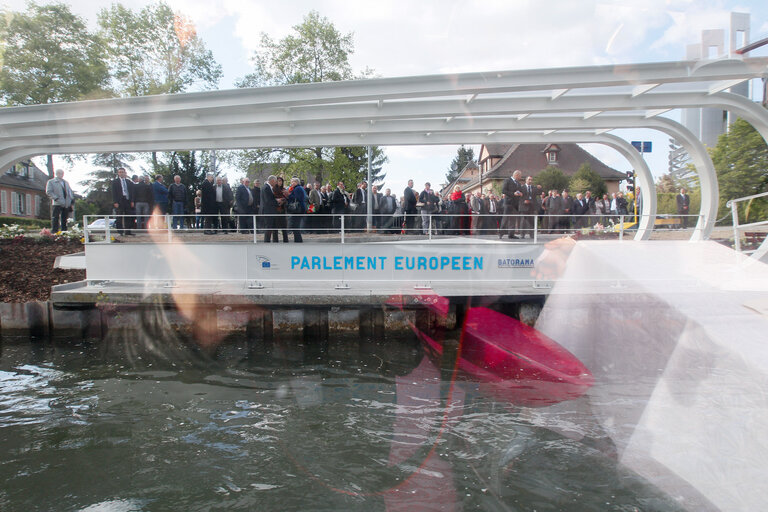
{"x":407,"y":37}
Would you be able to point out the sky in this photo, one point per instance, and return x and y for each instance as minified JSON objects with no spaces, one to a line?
{"x":408,"y":38}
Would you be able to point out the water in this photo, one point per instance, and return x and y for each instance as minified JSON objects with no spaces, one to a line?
{"x":351,"y":425}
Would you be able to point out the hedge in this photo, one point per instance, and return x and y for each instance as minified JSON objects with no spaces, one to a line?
{"x":26,"y":223}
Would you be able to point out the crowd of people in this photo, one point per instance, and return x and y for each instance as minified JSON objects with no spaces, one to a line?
{"x":277,"y":209}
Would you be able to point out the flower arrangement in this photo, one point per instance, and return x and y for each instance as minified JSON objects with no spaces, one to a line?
{"x":12,"y":232}
{"x":17,"y":233}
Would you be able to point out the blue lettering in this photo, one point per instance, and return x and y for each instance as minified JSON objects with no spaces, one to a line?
{"x":304,"y":263}
{"x":466,"y":260}
{"x":381,"y":260}
{"x":294,"y":261}
{"x":479,"y":262}
{"x":315,"y":262}
{"x":360,"y":263}
{"x":372,"y":262}
{"x":444,"y":262}
{"x":410,"y":262}
{"x":455,"y":263}
{"x":433,"y":262}
{"x":349,"y":262}
{"x":398,"y":263}
{"x":337,"y":263}
{"x":422,"y":263}
{"x":325,"y":264}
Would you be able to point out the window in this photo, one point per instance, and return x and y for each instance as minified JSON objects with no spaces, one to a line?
{"x":3,"y":202}
{"x":552,"y":157}
{"x":18,"y":203}
{"x":28,"y":205}
{"x":38,"y":203}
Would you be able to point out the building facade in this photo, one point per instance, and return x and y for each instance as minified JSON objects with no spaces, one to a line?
{"x":497,"y":162}
{"x":22,"y":191}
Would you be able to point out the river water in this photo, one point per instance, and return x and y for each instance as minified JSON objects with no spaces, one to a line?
{"x":346,"y":425}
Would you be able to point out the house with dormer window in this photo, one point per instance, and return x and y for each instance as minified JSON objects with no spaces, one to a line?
{"x":22,"y":190}
{"x":497,"y":162}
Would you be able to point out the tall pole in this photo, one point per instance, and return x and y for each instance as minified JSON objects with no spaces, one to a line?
{"x":368,"y":191}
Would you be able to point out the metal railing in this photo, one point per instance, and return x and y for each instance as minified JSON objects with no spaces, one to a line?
{"x":345,"y":228}
{"x":738,"y":228}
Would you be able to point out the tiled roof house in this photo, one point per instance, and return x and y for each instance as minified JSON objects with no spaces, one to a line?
{"x":497,"y":162}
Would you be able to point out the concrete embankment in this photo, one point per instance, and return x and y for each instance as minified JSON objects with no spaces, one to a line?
{"x":94,"y":321}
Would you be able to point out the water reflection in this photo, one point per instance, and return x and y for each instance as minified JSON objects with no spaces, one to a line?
{"x":354,"y":425}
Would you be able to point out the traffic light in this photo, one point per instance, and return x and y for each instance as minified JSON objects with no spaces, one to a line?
{"x":630,"y":181}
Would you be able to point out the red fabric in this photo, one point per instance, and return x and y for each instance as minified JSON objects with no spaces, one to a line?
{"x":457,"y":195}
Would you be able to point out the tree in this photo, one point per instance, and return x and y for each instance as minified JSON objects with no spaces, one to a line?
{"x":463,"y":157}
{"x":315,"y":52}
{"x":152,"y":51}
{"x":552,"y":178}
{"x":586,"y":179}
{"x":155,"y":51}
{"x":49,"y":56}
{"x":741,"y":163}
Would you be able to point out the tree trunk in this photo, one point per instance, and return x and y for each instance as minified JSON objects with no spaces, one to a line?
{"x":319,"y":172}
{"x":49,"y":165}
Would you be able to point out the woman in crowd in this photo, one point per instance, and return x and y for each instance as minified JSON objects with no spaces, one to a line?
{"x":297,"y":208}
{"x":280,"y":219}
{"x":459,"y":212}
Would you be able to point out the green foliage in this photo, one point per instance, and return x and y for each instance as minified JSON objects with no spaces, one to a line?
{"x":192,"y":167}
{"x":463,"y":157}
{"x":49,"y":56}
{"x":25,"y":223}
{"x":92,"y":206}
{"x":586,"y":179}
{"x":579,"y":185}
{"x":741,"y":163}
{"x":315,"y":52}
{"x":552,"y":178}
{"x":155,"y":51}
{"x":666,"y":202}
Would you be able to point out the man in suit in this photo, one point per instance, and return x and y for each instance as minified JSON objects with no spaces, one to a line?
{"x":528,"y":206}
{"x":410,"y":198}
{"x":339,"y":203}
{"x":57,"y":189}
{"x":492,"y":206}
{"x":376,"y":207}
{"x":122,"y":201}
{"x":683,"y":206}
{"x":316,"y":202}
{"x":244,"y":204}
{"x":580,"y":209}
{"x":269,"y":209}
{"x":567,"y":217}
{"x":225,"y":208}
{"x":208,"y":204}
{"x":387,"y":209}
{"x":360,"y":198}
{"x":511,"y":192}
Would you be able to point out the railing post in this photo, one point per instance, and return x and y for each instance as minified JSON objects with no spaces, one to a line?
{"x":535,"y":228}
{"x":342,"y":228}
{"x":170,"y":231}
{"x":107,"y":231}
{"x":621,"y":227}
{"x":429,"y":230}
{"x":255,"y":234}
{"x":736,"y":233}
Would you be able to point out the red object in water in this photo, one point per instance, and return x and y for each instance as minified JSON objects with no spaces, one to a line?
{"x":514,"y":362}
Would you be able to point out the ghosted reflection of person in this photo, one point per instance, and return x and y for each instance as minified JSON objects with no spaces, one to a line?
{"x":57,"y":189}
